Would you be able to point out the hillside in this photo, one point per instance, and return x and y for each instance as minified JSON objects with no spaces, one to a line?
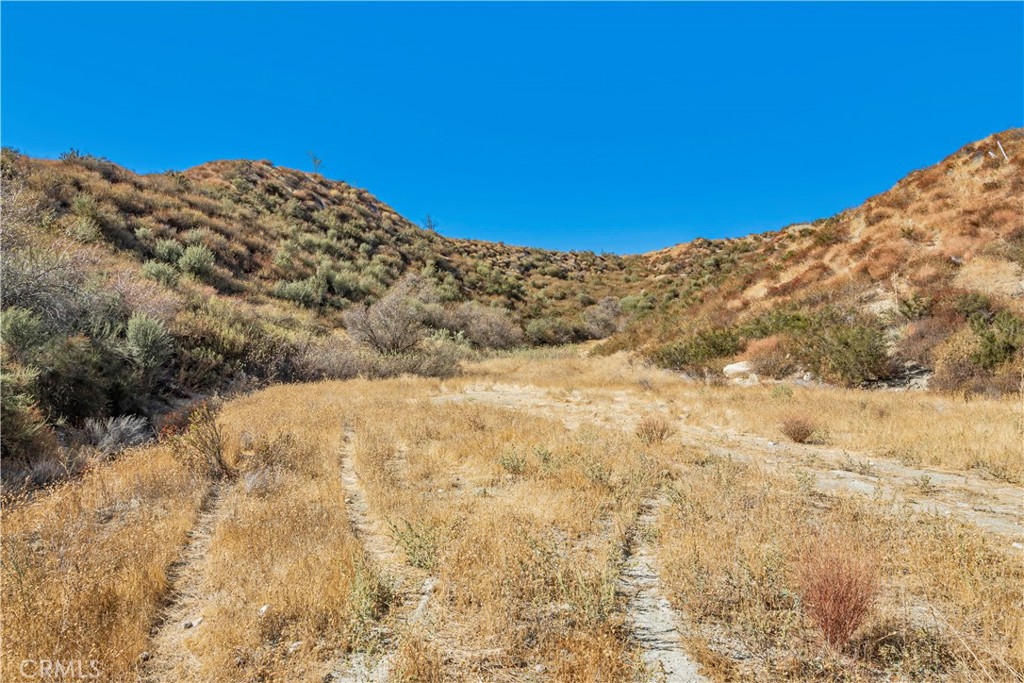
{"x":929,"y":274}
{"x":127,"y":293}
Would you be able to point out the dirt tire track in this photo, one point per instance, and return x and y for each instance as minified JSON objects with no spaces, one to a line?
{"x":1001,"y":514}
{"x":654,"y":625}
{"x":363,"y":667}
{"x":181,"y":616}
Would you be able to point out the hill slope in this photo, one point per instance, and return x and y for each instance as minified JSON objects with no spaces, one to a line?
{"x":929,"y":273}
{"x":123,"y":291}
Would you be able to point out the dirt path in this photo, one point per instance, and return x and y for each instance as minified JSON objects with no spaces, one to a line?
{"x":168,"y":658}
{"x":415,"y":591}
{"x":652,"y":620}
{"x":993,"y":507}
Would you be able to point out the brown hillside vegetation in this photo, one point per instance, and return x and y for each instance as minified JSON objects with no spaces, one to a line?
{"x":929,"y":274}
{"x":126,"y":294}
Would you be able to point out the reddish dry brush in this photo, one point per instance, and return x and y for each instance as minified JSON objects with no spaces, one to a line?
{"x":799,"y":427}
{"x":838,"y":586}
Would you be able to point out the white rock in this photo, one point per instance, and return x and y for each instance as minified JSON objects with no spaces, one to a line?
{"x":737,"y":369}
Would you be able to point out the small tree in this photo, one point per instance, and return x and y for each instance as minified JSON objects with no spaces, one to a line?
{"x":430,"y":224}
{"x":315,"y":160}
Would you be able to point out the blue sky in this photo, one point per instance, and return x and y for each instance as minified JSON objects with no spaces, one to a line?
{"x":611,"y":127}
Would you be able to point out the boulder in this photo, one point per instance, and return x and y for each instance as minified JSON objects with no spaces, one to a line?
{"x":737,"y":369}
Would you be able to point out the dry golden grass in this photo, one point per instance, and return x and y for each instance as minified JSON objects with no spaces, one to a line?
{"x":517,"y":489}
{"x":916,"y":428}
{"x":84,"y":565}
{"x":734,"y":542}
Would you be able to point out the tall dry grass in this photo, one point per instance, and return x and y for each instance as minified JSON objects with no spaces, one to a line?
{"x":84,"y":564}
{"x":916,"y":428}
{"x":735,"y":555}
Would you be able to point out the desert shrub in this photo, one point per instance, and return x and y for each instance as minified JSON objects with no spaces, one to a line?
{"x":394,"y":323}
{"x":48,"y":281}
{"x":775,"y":321}
{"x":553,"y":331}
{"x":149,"y":345}
{"x":114,"y":434}
{"x":197,"y":260}
{"x":74,"y":380}
{"x":696,"y":351}
{"x":845,"y":347}
{"x":923,"y":337}
{"x":329,"y":358}
{"x":309,"y":292}
{"x":168,"y":251}
{"x":838,"y":586}
{"x":441,"y":360}
{"x":487,"y":326}
{"x":164,"y":273}
{"x":772,"y":357}
{"x":830,"y":232}
{"x":915,"y":306}
{"x":798,"y":427}
{"x":638,"y":303}
{"x":654,"y":429}
{"x":954,"y":362}
{"x":22,"y":330}
{"x":604,"y":318}
{"x":998,"y":339}
{"x":25,"y":436}
{"x":973,"y":306}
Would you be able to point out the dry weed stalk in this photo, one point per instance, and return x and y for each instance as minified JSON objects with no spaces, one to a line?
{"x":838,"y":585}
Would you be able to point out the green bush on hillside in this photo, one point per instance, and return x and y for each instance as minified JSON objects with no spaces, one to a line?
{"x":164,"y":273}
{"x":197,"y":260}
{"x":697,"y":351}
{"x":169,"y":251}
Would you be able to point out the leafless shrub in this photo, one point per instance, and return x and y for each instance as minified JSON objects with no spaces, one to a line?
{"x":487,"y":326}
{"x":391,"y":325}
{"x":144,"y":296}
{"x":114,"y":434}
{"x":50,"y":281}
{"x":798,"y":427}
{"x":329,"y":358}
{"x":654,"y":429}
{"x":604,"y":318}
{"x":838,"y":585}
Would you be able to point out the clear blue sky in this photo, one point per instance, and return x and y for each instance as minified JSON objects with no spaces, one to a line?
{"x":612,"y":127}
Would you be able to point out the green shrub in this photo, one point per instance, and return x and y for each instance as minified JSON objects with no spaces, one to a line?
{"x":25,"y":435}
{"x":197,"y":260}
{"x":164,"y":273}
{"x":697,"y":351}
{"x":998,"y":339}
{"x":309,"y":292}
{"x":149,"y":345}
{"x":169,"y":251}
{"x":844,"y":347}
{"x":74,"y":379}
{"x":22,"y":330}
{"x":916,"y":306}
